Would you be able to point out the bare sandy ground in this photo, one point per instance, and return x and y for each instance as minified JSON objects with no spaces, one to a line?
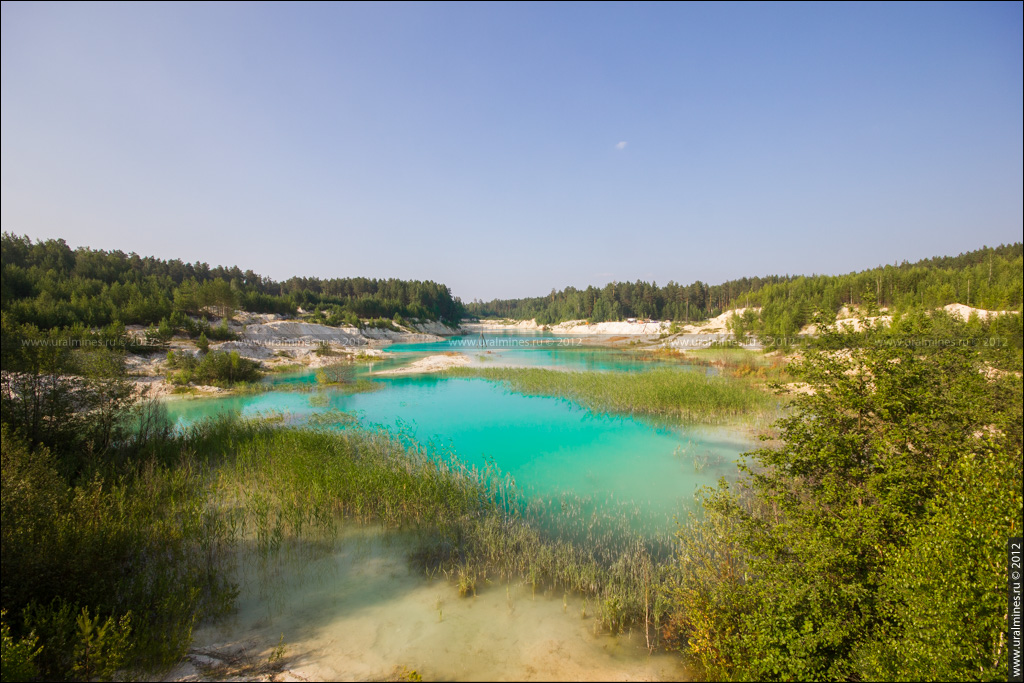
{"x":570,"y":327}
{"x":435,"y":363}
{"x":854,"y":320}
{"x":276,"y":341}
{"x":717,"y":324}
{"x":964,"y":312}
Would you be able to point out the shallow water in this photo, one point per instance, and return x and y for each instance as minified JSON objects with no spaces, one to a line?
{"x":512,"y":350}
{"x":357,"y":612}
{"x":538,"y":350}
{"x":549,"y":446}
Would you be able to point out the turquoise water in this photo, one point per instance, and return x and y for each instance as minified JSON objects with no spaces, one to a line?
{"x":509,"y":350}
{"x":359,"y":612}
{"x":550,"y":446}
{"x":537,"y":350}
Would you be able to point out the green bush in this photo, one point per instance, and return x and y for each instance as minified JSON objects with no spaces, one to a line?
{"x":219,"y":368}
{"x":871,"y":543}
{"x":17,"y":656}
{"x":944,"y":597}
{"x":380,"y":324}
{"x":111,"y":570}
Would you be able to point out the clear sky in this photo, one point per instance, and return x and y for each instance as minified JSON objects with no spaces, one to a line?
{"x":505,"y":149}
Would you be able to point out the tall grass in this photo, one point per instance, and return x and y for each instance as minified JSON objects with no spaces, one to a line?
{"x":742,"y":363}
{"x":145,"y":548}
{"x":474,"y":525}
{"x":341,"y":377}
{"x":683,"y":394}
{"x":112,"y":569}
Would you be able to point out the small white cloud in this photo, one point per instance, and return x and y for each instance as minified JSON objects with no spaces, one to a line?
{"x":621,"y":145}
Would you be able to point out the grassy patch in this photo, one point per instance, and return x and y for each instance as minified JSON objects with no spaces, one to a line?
{"x":690,"y":396}
{"x":473,"y":524}
{"x":287,"y":367}
{"x":144,"y":549}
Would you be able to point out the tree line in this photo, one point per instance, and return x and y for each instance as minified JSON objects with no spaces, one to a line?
{"x":988,"y":278}
{"x":49,"y":285}
{"x":868,"y":542}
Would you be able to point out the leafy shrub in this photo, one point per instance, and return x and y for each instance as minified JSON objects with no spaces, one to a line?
{"x":219,"y":368}
{"x":107,"y":571}
{"x":17,"y":656}
{"x":868,"y":545}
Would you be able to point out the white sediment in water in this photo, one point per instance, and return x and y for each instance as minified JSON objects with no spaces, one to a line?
{"x":360,"y":611}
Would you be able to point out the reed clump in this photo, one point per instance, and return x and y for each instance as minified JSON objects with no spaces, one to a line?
{"x":341,"y":377}
{"x":473,"y":524}
{"x":678,"y":393}
{"x":145,"y":548}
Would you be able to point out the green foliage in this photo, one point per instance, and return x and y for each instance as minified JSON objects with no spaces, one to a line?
{"x":380,"y":324}
{"x":869,"y":544}
{"x":179,"y":322}
{"x":219,"y":368}
{"x":688,"y":395}
{"x":111,"y":569}
{"x":100,"y":648}
{"x":337,"y":373}
{"x":203,"y":344}
{"x":17,"y":656}
{"x":64,"y":393}
{"x":473,"y":522}
{"x":49,"y":285}
{"x":341,"y":378}
{"x":740,"y":325}
{"x":222,"y":332}
{"x":986,"y":278}
{"x":945,"y":594}
{"x":159,"y":335}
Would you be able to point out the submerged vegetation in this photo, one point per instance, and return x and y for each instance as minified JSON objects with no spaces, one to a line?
{"x":866,"y":543}
{"x":151,"y":541}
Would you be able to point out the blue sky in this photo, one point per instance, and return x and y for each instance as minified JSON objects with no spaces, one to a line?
{"x":505,"y":149}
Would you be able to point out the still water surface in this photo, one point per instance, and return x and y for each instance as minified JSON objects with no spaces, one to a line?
{"x":358,"y":611}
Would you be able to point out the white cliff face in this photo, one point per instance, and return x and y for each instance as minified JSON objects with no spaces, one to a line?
{"x":571,"y":327}
{"x":261,"y":339}
{"x":295,"y":331}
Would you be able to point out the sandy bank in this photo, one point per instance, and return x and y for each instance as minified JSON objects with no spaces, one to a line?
{"x":430,"y":364}
{"x":856,"y":319}
{"x":568,"y":327}
{"x":964,"y":312}
{"x":718,"y":324}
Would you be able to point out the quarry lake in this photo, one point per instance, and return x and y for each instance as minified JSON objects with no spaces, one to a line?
{"x":354,"y":607}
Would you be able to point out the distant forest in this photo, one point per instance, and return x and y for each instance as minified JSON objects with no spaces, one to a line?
{"x":987,"y":278}
{"x":49,"y":285}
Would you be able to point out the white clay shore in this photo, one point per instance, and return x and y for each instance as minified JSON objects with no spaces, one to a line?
{"x":436,"y":363}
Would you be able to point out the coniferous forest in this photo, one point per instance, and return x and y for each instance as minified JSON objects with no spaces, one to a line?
{"x":864,"y":542}
{"x":512,"y":341}
{"x":988,"y":278}
{"x":50,"y":285}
